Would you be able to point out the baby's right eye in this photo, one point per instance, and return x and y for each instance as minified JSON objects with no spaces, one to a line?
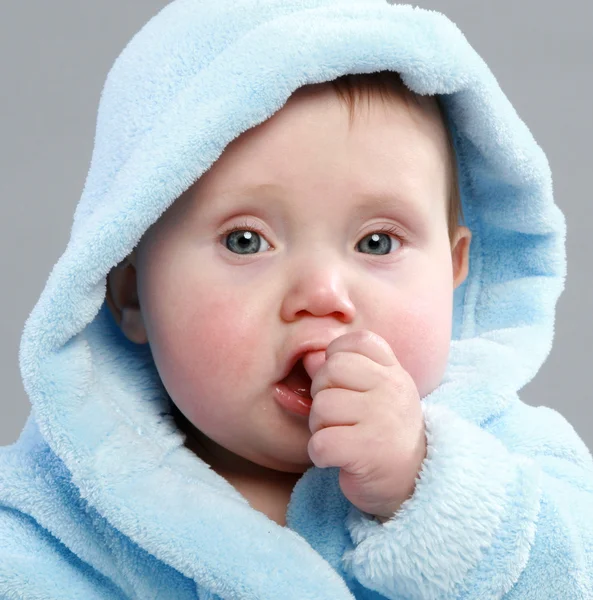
{"x":244,"y":241}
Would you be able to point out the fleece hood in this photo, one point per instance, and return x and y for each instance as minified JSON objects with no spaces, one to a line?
{"x":192,"y":79}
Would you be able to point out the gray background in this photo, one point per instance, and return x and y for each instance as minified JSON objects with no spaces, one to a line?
{"x":54,"y":57}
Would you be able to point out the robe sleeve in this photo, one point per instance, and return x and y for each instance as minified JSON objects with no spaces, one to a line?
{"x":502,"y":511}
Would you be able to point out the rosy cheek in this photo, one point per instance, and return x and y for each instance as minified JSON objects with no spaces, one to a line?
{"x":226,"y":342}
{"x":420,"y":338}
{"x":210,"y":350}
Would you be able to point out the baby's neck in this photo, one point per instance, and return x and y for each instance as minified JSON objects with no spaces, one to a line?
{"x":266,"y":490}
{"x":270,"y":497}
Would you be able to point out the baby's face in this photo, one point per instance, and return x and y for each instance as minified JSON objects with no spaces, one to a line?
{"x":225,"y":312}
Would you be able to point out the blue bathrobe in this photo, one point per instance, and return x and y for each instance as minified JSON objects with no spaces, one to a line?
{"x":99,"y":497}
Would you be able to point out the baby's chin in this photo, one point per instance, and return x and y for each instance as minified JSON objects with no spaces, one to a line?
{"x":288,"y":467}
{"x":265,"y":468}
{"x":280,"y":456}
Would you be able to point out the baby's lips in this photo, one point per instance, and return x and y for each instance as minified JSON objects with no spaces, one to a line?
{"x":312,"y":362}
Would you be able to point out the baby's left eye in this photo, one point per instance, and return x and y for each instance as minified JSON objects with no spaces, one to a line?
{"x":378,"y":243}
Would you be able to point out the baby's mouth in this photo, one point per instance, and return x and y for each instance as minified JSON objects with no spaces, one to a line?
{"x":298,"y":380}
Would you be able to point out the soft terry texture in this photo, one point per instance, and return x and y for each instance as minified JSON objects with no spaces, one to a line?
{"x":100,"y":499}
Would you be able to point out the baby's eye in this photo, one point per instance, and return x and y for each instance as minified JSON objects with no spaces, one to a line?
{"x":244,"y":241}
{"x":377,"y":243}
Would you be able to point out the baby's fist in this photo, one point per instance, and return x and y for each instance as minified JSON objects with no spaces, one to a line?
{"x":366,"y":418}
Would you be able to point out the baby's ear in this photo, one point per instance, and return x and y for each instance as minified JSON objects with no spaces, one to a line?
{"x":460,"y":255}
{"x":122,"y":299}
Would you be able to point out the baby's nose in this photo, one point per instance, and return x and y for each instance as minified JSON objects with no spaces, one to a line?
{"x":312,"y":362}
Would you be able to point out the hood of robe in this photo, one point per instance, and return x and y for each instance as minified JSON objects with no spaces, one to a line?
{"x":195,"y":77}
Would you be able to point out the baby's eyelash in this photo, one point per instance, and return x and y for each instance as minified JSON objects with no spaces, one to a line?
{"x":242,"y":226}
{"x":252,"y":226}
{"x":393,"y":229}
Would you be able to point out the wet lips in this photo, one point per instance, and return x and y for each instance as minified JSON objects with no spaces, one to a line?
{"x":294,"y":392}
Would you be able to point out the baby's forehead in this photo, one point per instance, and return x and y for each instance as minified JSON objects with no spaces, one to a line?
{"x":304,"y":143}
{"x":274,"y":162}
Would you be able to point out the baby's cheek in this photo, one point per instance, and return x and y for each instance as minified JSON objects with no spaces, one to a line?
{"x":213,"y":354}
{"x":229,"y":342}
{"x":420,"y":338}
{"x":218,"y":366}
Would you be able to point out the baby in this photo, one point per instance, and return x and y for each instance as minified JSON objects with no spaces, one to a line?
{"x":266,"y":367}
{"x":298,"y":298}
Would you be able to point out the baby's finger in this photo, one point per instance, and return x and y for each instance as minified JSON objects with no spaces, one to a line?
{"x":336,"y":406}
{"x":349,"y":371}
{"x":364,"y":342}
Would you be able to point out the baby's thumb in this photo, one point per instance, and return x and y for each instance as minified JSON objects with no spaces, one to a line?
{"x":312,"y":362}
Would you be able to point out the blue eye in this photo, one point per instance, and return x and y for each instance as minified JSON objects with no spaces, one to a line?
{"x":378,"y":243}
{"x":244,"y":241}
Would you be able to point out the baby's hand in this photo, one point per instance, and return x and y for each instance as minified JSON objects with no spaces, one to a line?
{"x":367,"y":419}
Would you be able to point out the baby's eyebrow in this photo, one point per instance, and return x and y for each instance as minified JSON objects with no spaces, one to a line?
{"x":253,"y":188}
{"x":366,"y":203}
{"x":371,"y":199}
{"x":398,"y":202}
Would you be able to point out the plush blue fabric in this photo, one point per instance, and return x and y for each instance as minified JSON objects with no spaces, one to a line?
{"x":100,"y":499}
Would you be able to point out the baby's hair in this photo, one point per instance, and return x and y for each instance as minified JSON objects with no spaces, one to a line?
{"x":354,"y":86}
